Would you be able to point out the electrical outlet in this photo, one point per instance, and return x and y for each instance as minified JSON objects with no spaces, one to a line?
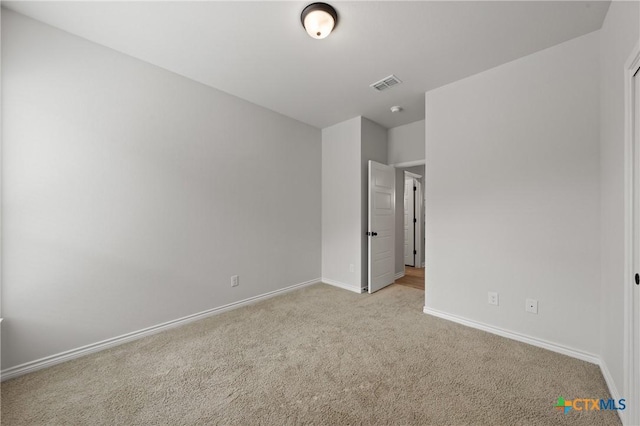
{"x":493,"y":298}
{"x":234,"y":281}
{"x":352,"y":267}
{"x":531,"y":306}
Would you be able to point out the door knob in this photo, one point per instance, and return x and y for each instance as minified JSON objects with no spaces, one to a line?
{"x":374,"y":233}
{"x":637,"y":279}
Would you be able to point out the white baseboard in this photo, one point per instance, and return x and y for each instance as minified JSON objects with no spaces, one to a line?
{"x":350,"y":287}
{"x":574,"y":353}
{"x":613,"y":389}
{"x":398,"y":275}
{"x":51,"y":360}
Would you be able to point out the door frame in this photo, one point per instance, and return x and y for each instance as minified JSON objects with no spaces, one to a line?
{"x":631,"y":359}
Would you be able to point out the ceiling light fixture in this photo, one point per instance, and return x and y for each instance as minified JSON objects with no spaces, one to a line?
{"x":319,"y":19}
{"x":396,"y":108}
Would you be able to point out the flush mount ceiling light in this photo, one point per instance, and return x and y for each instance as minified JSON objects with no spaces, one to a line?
{"x":396,"y":108}
{"x":319,"y":19}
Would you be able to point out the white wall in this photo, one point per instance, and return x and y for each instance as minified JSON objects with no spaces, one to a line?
{"x":131,"y":195}
{"x":374,"y":147}
{"x":513,"y":195}
{"x":406,"y":143}
{"x":620,"y":32}
{"x":341,"y":203}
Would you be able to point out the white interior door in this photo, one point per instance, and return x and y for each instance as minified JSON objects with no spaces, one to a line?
{"x":418,"y":223}
{"x":635,"y":316}
{"x":382,"y":204}
{"x":409,"y":240}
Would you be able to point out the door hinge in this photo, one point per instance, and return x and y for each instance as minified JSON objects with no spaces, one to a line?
{"x":415,"y":188}
{"x":415,"y":252}
{"x":415,"y":220}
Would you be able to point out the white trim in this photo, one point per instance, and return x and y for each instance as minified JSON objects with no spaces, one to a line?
{"x":411,"y":175}
{"x":632,"y":392}
{"x":574,"y":353}
{"x":613,"y":390}
{"x":398,"y":275}
{"x":51,"y":360}
{"x":409,"y":164}
{"x":343,"y":286}
{"x":423,"y":264}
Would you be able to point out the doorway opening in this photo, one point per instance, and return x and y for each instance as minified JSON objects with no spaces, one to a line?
{"x":412,"y":220}
{"x":410,"y":225}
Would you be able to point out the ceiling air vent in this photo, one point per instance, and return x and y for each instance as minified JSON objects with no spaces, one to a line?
{"x":385,"y":83}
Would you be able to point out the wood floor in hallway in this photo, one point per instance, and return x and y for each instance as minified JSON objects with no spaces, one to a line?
{"x":413,"y":277}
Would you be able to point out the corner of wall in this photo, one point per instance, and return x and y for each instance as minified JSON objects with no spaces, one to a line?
{"x":341,"y":204}
{"x":374,"y":147}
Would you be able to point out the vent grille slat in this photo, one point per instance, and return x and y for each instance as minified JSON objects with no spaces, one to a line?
{"x":385,"y":83}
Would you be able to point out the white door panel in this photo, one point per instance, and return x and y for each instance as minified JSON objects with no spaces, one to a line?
{"x":417,"y":238}
{"x":409,"y":241}
{"x":635,"y":317}
{"x":381,"y":225}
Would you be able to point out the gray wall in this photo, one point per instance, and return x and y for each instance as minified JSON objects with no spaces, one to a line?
{"x":131,"y":195}
{"x":341,"y":203}
{"x":347,"y":148}
{"x":374,"y":147}
{"x":406,"y":143}
{"x":513,"y":195}
{"x":419,"y":170}
{"x":620,"y":32}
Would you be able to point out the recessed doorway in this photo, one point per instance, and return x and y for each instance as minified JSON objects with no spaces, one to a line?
{"x":413,"y":277}
{"x":412,"y":220}
{"x":410,"y":226}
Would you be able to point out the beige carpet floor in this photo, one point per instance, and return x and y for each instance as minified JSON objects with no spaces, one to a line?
{"x":318,"y":355}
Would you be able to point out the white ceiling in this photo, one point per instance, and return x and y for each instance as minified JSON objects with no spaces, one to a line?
{"x":259,"y":51}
